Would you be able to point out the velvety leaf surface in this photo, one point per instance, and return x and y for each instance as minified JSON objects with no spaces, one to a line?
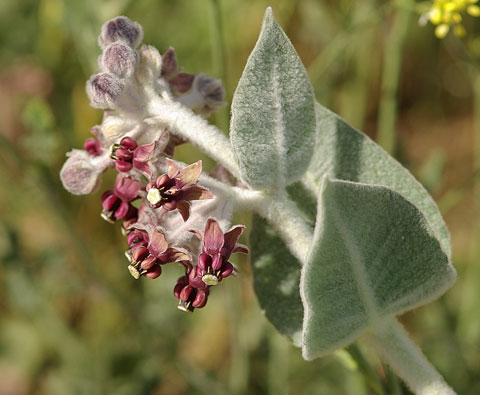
{"x":374,"y":255}
{"x":343,"y":153}
{"x":273,"y":116}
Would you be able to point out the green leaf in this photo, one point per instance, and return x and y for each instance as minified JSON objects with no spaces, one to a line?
{"x":343,"y":153}
{"x":374,"y":255}
{"x":273,"y":115}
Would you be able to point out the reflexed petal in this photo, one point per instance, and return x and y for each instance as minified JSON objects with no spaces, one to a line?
{"x":173,"y":255}
{"x":183,"y":208}
{"x":231,"y":238}
{"x":195,"y":192}
{"x":243,"y":249}
{"x":142,"y":153}
{"x":190,"y":174}
{"x":126,"y":188}
{"x":213,"y":237}
{"x":228,"y":270}
{"x":158,"y":244}
{"x":143,"y":167}
{"x":172,"y":168}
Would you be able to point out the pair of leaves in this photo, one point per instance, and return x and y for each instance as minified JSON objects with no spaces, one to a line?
{"x":380,"y":246}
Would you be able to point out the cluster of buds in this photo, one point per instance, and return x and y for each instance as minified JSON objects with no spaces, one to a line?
{"x":167,"y":213}
{"x":446,"y":15}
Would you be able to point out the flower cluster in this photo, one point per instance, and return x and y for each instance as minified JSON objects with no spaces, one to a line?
{"x":447,"y":15}
{"x":167,"y":212}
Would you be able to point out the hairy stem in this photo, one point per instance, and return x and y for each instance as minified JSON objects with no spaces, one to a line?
{"x":392,"y":341}
{"x":189,"y":126}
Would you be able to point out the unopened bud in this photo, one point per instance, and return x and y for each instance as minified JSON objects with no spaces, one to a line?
{"x":119,"y":59}
{"x":182,"y":83}
{"x":79,"y":175}
{"x":149,"y":64}
{"x":103,"y":89}
{"x":169,"y":64}
{"x":120,"y":29}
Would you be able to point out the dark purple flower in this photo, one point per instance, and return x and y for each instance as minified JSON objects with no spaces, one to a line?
{"x":177,"y":188}
{"x":117,"y":203}
{"x":122,"y":154}
{"x":148,"y":253}
{"x":212,"y":263}
{"x":127,"y":155}
{"x":192,"y":292}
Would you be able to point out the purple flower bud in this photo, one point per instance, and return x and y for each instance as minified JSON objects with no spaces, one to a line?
{"x":182,"y":83}
{"x":169,"y":63}
{"x":119,"y":59}
{"x":92,"y":146}
{"x":103,"y":89}
{"x":120,"y":29}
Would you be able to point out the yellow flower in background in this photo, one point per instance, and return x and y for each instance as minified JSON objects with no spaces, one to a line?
{"x":447,"y":15}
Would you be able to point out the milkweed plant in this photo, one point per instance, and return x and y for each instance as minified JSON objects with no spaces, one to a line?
{"x":343,"y":237}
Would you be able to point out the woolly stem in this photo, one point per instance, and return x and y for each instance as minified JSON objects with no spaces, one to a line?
{"x":189,"y":126}
{"x":392,"y":341}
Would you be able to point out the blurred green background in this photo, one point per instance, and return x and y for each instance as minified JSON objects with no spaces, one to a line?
{"x":73,"y":321}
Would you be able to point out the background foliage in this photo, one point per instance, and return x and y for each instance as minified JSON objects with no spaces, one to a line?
{"x":73,"y":321}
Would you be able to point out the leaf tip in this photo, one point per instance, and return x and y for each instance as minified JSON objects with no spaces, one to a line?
{"x":268,"y":16}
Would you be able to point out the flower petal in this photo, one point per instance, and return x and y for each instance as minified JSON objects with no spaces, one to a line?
{"x":183,"y":208}
{"x":158,"y":244}
{"x":243,"y":249}
{"x":172,"y":168}
{"x":195,"y":192}
{"x":174,"y":255}
{"x":190,"y":174}
{"x":212,"y":237}
{"x":231,"y":238}
{"x":143,"y":152}
{"x":126,"y":188}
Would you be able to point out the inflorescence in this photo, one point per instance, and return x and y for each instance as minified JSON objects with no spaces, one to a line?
{"x":166,"y":214}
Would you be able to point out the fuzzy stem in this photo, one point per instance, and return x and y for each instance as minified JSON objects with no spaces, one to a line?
{"x":392,"y":341}
{"x":189,"y":126}
{"x":288,"y":221}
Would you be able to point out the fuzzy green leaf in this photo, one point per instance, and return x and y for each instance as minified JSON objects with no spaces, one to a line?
{"x":374,"y":255}
{"x":273,"y":115}
{"x":346,"y":154}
